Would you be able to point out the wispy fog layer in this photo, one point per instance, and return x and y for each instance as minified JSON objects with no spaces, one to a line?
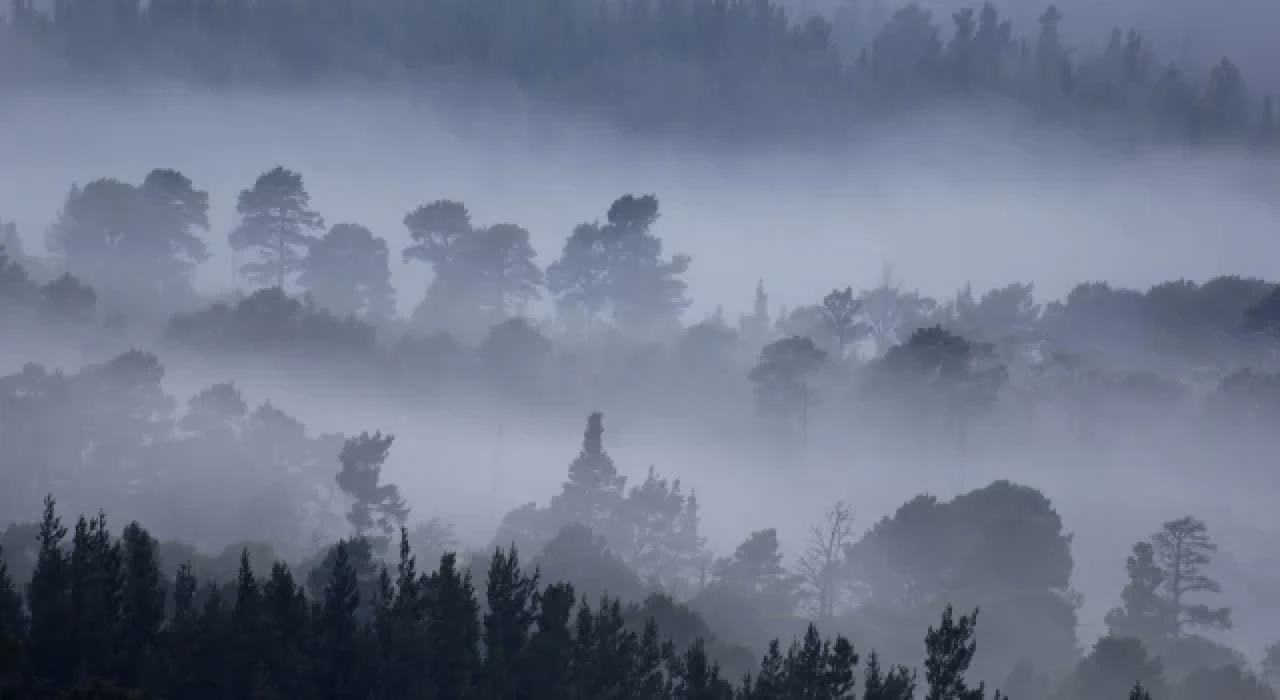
{"x":944,"y":198}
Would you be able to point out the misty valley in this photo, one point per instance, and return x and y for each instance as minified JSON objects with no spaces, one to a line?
{"x":634,"y":350}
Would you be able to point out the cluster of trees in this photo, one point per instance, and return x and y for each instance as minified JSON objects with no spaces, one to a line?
{"x":728,"y":64}
{"x":128,"y":616}
{"x":110,"y":434}
{"x":617,"y":300}
{"x":98,"y":619}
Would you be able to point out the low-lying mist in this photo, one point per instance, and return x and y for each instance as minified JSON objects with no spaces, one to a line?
{"x":944,"y":198}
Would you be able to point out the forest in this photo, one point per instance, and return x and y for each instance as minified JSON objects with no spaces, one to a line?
{"x":737,"y":67}
{"x":441,"y":450}
{"x":287,"y":563}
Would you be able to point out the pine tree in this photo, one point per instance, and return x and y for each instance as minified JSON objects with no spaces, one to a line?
{"x":142,"y":608}
{"x":454,"y":630}
{"x":378,"y":509}
{"x":551,"y":646}
{"x":286,"y":630}
{"x":1144,"y":613}
{"x":594,"y":491}
{"x":1182,"y":550}
{"x":339,"y":669}
{"x":275,"y":220}
{"x":508,"y":624}
{"x":49,"y":603}
{"x":950,"y":648}
{"x":13,"y":632}
{"x":95,"y":588}
{"x":246,"y":627}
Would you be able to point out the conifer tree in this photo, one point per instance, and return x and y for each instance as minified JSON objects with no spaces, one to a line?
{"x":339,"y":670}
{"x":276,"y":221}
{"x":142,"y":608}
{"x":49,"y":603}
{"x":508,"y":624}
{"x":453,"y":630}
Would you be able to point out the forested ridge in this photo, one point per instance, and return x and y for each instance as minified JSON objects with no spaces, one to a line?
{"x":728,"y":66}
{"x":1185,"y":370}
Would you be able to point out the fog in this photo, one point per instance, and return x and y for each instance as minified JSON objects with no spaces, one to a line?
{"x":943,"y":198}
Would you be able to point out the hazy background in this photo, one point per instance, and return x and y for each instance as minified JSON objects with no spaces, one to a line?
{"x":944,"y":197}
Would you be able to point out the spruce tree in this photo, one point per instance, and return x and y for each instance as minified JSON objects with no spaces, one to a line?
{"x":508,"y":624}
{"x":142,"y":608}
{"x":339,"y":668}
{"x":453,"y":630}
{"x":49,"y":603}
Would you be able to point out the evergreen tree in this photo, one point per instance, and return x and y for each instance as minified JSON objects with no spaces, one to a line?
{"x":508,"y":625}
{"x":339,"y":672}
{"x":454,"y":630}
{"x":143,"y":604}
{"x":246,"y":628}
{"x":841,"y":319}
{"x":50,"y":640}
{"x":950,"y":648}
{"x":617,"y":269}
{"x":550,"y":647}
{"x":347,"y":272}
{"x":277,"y":223}
{"x":13,"y":634}
{"x":378,"y":510}
{"x":1144,"y":612}
{"x":1182,"y":550}
{"x":593,"y":493}
{"x":781,"y":379}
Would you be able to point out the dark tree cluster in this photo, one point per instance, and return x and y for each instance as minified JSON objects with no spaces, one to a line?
{"x":731,"y":65}
{"x":98,"y":619}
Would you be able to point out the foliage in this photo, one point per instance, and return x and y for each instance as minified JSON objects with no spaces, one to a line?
{"x":277,"y":223}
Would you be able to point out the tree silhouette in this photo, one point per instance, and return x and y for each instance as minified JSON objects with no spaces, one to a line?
{"x":1182,"y":550}
{"x":347,"y":272}
{"x":617,"y":269}
{"x":140,"y":241}
{"x":781,"y":379}
{"x":378,"y":511}
{"x":1144,"y":612}
{"x":277,"y":223}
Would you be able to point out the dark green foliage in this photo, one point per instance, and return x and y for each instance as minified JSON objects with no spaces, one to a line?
{"x":453,"y":659}
{"x":949,"y":652}
{"x":508,"y":624}
{"x":426,"y":636}
{"x":142,"y":608}
{"x":50,"y":646}
{"x":338,"y":633}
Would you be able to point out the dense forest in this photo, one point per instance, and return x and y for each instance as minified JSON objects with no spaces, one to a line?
{"x":723,"y":66}
{"x":607,"y":588}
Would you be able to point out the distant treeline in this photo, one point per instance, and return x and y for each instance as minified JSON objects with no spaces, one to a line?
{"x":726,"y":65}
